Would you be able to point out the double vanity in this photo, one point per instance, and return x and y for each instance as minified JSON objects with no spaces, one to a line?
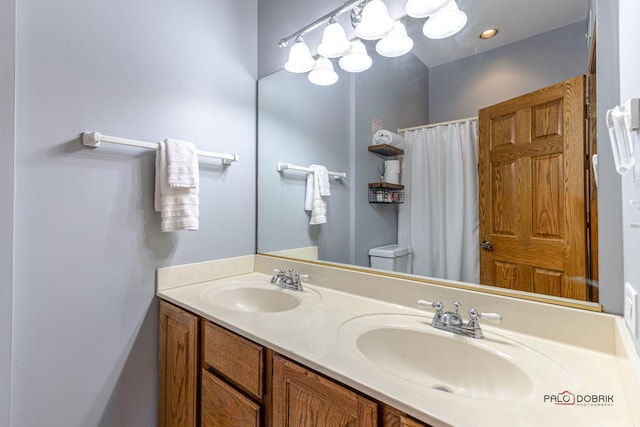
{"x":242,"y":344}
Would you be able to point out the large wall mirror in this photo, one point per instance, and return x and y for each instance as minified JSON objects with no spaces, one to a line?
{"x":539,"y":44}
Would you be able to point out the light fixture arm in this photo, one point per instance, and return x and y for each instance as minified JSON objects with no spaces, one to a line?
{"x":346,"y":7}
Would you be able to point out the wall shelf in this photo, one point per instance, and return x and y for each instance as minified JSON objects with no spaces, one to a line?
{"x":384,"y":192}
{"x":386,"y":150}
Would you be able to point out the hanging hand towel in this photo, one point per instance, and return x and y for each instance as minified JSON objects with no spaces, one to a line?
{"x":178,"y":206}
{"x":182,"y":164}
{"x":317,"y":190}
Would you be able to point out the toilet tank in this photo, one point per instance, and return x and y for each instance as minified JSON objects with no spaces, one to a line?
{"x":392,"y":258}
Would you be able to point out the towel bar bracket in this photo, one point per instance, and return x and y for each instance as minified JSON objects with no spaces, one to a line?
{"x":91,"y":139}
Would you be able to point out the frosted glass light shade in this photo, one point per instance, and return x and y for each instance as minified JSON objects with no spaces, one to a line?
{"x":357,"y":59}
{"x":334,"y":41}
{"x":446,"y":22}
{"x":423,"y":8}
{"x":323,"y":73}
{"x":375,"y":21}
{"x":396,"y":43}
{"x":300,"y":59}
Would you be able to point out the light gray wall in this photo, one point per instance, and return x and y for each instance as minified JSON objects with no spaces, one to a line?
{"x":629,"y":34}
{"x":7,"y":146}
{"x":87,"y":239}
{"x":396,"y":91}
{"x":610,"y":249}
{"x":460,"y":88}
{"x":303,"y":124}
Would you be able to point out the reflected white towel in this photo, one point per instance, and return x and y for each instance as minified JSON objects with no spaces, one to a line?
{"x":317,"y":191}
{"x":178,"y":206}
{"x":384,"y":136}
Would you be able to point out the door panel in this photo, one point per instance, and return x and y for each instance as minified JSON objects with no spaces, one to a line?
{"x":532,"y":192}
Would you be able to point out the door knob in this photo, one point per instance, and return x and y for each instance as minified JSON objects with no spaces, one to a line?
{"x":485,"y":244}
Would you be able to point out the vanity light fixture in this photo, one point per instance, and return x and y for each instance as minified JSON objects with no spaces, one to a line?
{"x":300,"y":59}
{"x":423,"y":8}
{"x":357,"y":60}
{"x":334,"y":41}
{"x":446,"y":22}
{"x":323,"y":73}
{"x":396,"y":43}
{"x":371,"y":21}
{"x":375,"y":22}
{"x":489,"y":33}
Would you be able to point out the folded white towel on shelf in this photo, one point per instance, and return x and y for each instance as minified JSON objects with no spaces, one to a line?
{"x":384,"y":136}
{"x":317,"y":190}
{"x":178,"y":206}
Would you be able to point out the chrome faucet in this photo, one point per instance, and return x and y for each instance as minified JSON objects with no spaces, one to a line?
{"x":291,"y":281}
{"x":452,"y":321}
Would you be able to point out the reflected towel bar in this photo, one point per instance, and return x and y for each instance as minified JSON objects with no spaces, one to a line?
{"x":93,"y":139}
{"x":284,"y":166}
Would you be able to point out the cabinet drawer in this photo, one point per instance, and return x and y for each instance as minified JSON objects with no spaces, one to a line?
{"x":223,"y":405}
{"x":236,"y":358}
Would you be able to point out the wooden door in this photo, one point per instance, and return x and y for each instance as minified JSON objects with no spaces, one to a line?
{"x":178,"y":367}
{"x":302,"y":398}
{"x":532,"y":192}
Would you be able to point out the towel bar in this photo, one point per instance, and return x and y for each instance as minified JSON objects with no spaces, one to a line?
{"x":284,"y":166}
{"x":93,"y":139}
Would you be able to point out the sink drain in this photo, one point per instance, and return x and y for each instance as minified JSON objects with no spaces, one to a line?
{"x":442,"y":388}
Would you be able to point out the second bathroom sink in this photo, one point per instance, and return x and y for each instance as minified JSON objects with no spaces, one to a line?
{"x":407,"y":347}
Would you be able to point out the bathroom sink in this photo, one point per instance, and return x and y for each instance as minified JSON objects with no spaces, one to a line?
{"x":408,"y":348}
{"x":257,"y":297}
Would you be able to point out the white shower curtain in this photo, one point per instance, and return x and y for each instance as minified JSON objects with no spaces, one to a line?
{"x":439,"y":218}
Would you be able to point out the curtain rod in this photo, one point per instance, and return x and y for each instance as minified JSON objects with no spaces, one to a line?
{"x":315,"y":24}
{"x":432,"y":125}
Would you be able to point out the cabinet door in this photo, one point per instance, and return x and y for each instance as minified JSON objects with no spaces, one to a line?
{"x":178,"y":373}
{"x":391,"y":417}
{"x":224,"y":406}
{"x":302,"y":398}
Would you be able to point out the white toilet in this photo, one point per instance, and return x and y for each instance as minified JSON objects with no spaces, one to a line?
{"x":392,"y":257}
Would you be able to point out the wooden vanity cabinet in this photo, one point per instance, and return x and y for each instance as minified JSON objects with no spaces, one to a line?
{"x":178,"y":367}
{"x":233,"y":379}
{"x":302,"y":398}
{"x":212,"y":377}
{"x":391,"y":417}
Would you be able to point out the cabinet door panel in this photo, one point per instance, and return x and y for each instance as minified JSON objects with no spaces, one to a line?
{"x":178,"y":361}
{"x":302,"y":398}
{"x":224,"y":406}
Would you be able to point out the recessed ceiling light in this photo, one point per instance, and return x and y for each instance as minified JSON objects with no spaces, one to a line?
{"x":487,"y":34}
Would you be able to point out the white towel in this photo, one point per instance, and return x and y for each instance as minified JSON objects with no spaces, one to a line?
{"x":178,"y":206}
{"x":317,"y":191}
{"x":384,"y":136}
{"x":182,"y":164}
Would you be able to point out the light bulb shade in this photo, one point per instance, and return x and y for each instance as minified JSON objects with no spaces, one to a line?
{"x":396,"y":43}
{"x":300,"y":59}
{"x":375,"y":21}
{"x":357,"y":59}
{"x":323,"y":73}
{"x":446,"y":22}
{"x":423,"y":8}
{"x":334,"y":41}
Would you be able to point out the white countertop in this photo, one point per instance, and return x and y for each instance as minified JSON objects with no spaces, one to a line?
{"x":313,"y":334}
